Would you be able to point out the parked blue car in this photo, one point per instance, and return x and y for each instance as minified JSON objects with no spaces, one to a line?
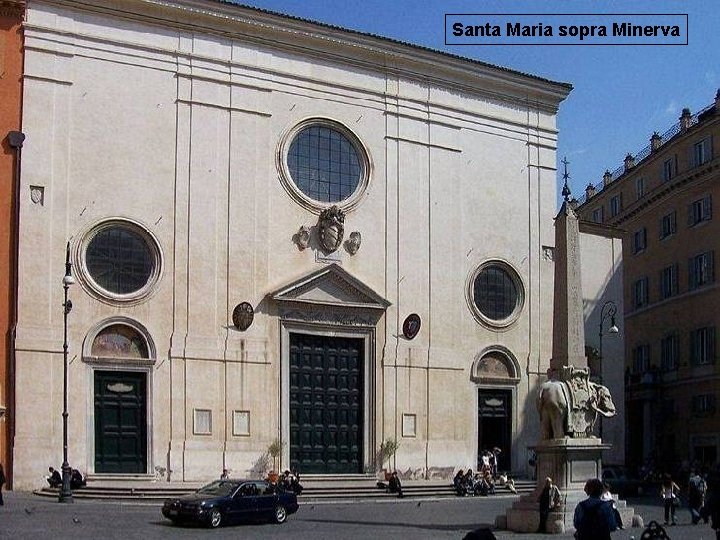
{"x":230,"y":501}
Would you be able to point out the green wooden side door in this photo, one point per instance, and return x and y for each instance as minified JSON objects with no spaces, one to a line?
{"x":120,"y":422}
{"x":326,"y":404}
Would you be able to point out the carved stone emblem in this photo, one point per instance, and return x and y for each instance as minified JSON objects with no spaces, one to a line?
{"x":331,"y":227}
{"x":302,"y":237}
{"x":243,"y":316}
{"x":352,"y":244}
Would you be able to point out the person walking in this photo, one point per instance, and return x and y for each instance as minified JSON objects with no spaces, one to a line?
{"x":2,"y":483}
{"x":594,"y":519}
{"x":696,"y":496}
{"x":669,"y":493}
{"x":549,"y":500}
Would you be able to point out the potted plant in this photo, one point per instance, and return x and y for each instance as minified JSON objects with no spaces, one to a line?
{"x":274,"y":450}
{"x":388,"y":449}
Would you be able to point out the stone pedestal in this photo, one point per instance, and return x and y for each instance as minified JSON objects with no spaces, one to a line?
{"x":570,"y":463}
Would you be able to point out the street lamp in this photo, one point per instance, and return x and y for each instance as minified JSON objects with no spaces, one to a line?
{"x":66,"y":495}
{"x":608,"y":311}
{"x":604,"y":315}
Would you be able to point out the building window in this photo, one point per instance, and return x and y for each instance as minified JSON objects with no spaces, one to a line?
{"x":241,"y":423}
{"x":701,"y":152}
{"x":701,"y":270}
{"x":669,"y":169}
{"x":496,"y":294}
{"x":700,"y":210}
{"x":640,"y":188}
{"x":703,"y":405}
{"x":409,"y":425}
{"x":640,"y":292}
{"x":702,"y":346}
{"x":322,"y":163}
{"x":669,"y":281}
{"x":669,"y":352}
{"x":120,"y":261}
{"x":615,"y":205}
{"x":202,"y":422}
{"x":640,"y":240}
{"x":641,"y":359}
{"x":668,"y":224}
{"x":598,"y":215}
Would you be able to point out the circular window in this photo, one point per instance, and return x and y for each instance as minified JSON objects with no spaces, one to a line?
{"x":120,"y":260}
{"x":323,"y":163}
{"x":496,"y":294}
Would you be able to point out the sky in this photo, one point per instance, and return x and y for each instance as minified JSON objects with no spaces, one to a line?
{"x":621,"y":95}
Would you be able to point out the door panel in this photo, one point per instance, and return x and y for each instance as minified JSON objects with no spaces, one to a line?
{"x":326,"y":404}
{"x":120,"y":422}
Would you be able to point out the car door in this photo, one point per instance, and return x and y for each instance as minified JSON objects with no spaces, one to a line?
{"x":244,"y":503}
{"x":266,"y":499}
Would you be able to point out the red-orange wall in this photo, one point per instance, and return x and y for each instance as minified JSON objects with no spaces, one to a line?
{"x":11,"y":64}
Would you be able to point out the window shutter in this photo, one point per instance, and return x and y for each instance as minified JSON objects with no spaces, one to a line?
{"x":675,"y":165}
{"x":676,"y":278}
{"x":692,"y":347}
{"x":692,"y":156}
{"x":691,"y":274}
{"x":690,"y":221}
{"x":673,"y":222}
{"x":711,"y":344}
{"x":711,"y":266}
{"x":707,"y":207}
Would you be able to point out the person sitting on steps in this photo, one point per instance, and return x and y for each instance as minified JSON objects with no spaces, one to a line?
{"x":394,"y":485}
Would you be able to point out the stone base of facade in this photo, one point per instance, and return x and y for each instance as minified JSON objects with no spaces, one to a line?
{"x":570,"y":463}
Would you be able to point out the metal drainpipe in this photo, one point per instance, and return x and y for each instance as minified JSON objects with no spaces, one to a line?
{"x":15,"y":140}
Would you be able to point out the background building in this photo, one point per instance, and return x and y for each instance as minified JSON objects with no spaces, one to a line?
{"x":190,"y":154}
{"x":11,"y":16}
{"x":663,"y":197}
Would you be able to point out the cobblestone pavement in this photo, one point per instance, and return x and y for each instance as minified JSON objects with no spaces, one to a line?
{"x":26,"y":516}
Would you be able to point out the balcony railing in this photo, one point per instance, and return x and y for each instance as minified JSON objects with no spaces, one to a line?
{"x":674,"y":130}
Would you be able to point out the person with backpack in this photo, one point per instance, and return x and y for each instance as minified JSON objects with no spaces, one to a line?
{"x":594,"y":519}
{"x":696,"y":496}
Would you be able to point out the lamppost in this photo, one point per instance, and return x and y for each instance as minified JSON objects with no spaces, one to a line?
{"x":604,"y":315}
{"x":608,"y":311}
{"x":66,"y":495}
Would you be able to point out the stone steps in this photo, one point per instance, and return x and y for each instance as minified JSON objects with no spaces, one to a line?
{"x":314,"y":489}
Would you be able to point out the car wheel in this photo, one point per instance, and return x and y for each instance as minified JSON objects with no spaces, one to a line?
{"x":215,"y":518}
{"x":280,"y":514}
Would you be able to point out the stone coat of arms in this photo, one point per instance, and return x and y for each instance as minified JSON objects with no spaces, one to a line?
{"x":331,"y":228}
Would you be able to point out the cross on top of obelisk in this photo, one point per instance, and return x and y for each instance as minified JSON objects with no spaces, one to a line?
{"x":566,"y":176}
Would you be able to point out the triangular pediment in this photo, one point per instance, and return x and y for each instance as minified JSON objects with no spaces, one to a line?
{"x":331,"y":286}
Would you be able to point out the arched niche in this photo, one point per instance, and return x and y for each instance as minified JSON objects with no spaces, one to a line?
{"x":119,"y":340}
{"x":495,"y":365}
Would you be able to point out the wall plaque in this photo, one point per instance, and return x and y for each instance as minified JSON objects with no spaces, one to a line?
{"x":242,"y":316}
{"x":411,"y":326}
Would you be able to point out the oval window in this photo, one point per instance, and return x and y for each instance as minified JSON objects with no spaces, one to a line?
{"x":496,"y":294}
{"x":120,"y":261}
{"x":324,"y":164}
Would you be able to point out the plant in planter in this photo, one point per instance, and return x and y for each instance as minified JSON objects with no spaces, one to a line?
{"x":387,"y":450}
{"x":274,"y":451}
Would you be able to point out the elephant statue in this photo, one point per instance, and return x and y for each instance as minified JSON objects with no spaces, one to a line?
{"x":570,"y":410}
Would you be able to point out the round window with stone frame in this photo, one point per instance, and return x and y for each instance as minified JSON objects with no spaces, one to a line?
{"x":496,"y":294}
{"x":120,"y":261}
{"x":323,"y":163}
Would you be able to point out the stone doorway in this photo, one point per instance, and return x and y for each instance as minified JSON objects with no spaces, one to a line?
{"x":495,"y":424}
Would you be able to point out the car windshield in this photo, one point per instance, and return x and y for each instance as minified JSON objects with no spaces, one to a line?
{"x":219,"y":488}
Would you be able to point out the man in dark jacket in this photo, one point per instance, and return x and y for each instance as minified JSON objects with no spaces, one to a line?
{"x":594,"y":519}
{"x":549,"y":500}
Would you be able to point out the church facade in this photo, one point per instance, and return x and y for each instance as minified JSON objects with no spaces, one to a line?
{"x":283,"y":234}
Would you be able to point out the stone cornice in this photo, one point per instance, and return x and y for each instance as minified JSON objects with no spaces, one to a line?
{"x":338,"y":44}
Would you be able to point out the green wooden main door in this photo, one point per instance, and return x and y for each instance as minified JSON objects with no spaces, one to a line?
{"x":326,"y":404}
{"x":120,"y":422}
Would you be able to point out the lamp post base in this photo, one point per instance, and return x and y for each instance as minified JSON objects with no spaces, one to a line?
{"x":66,"y":495}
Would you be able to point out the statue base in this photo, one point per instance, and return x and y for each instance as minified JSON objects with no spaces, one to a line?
{"x":570,"y":463}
